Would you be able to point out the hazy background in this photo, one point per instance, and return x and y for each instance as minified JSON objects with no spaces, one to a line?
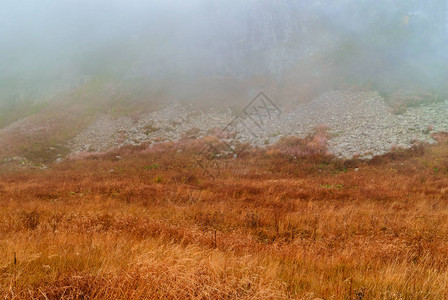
{"x":216,"y":52}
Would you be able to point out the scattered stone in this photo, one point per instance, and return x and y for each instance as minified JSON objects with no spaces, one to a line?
{"x":359,"y":123}
{"x":19,"y":159}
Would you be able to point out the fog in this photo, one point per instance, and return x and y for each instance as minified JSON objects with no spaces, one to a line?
{"x":50,"y":46}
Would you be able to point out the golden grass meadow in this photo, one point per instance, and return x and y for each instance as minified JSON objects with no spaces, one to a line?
{"x":150,"y":224}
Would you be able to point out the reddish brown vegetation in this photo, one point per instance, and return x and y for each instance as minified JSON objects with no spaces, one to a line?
{"x":265,"y":225}
{"x":400,"y":100}
{"x":312,"y":147}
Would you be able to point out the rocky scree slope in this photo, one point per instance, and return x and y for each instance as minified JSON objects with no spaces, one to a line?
{"x":359,"y":123}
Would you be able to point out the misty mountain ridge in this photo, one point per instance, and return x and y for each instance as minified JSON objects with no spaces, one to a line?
{"x":218,"y":39}
{"x":126,"y":60}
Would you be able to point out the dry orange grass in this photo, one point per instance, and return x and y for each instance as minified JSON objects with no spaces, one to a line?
{"x":266,"y":226}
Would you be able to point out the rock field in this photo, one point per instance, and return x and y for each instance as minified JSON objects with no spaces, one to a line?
{"x":359,"y":123}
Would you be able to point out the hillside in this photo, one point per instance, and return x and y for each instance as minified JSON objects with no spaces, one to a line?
{"x":359,"y":124}
{"x":129,"y":61}
{"x":209,"y":149}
